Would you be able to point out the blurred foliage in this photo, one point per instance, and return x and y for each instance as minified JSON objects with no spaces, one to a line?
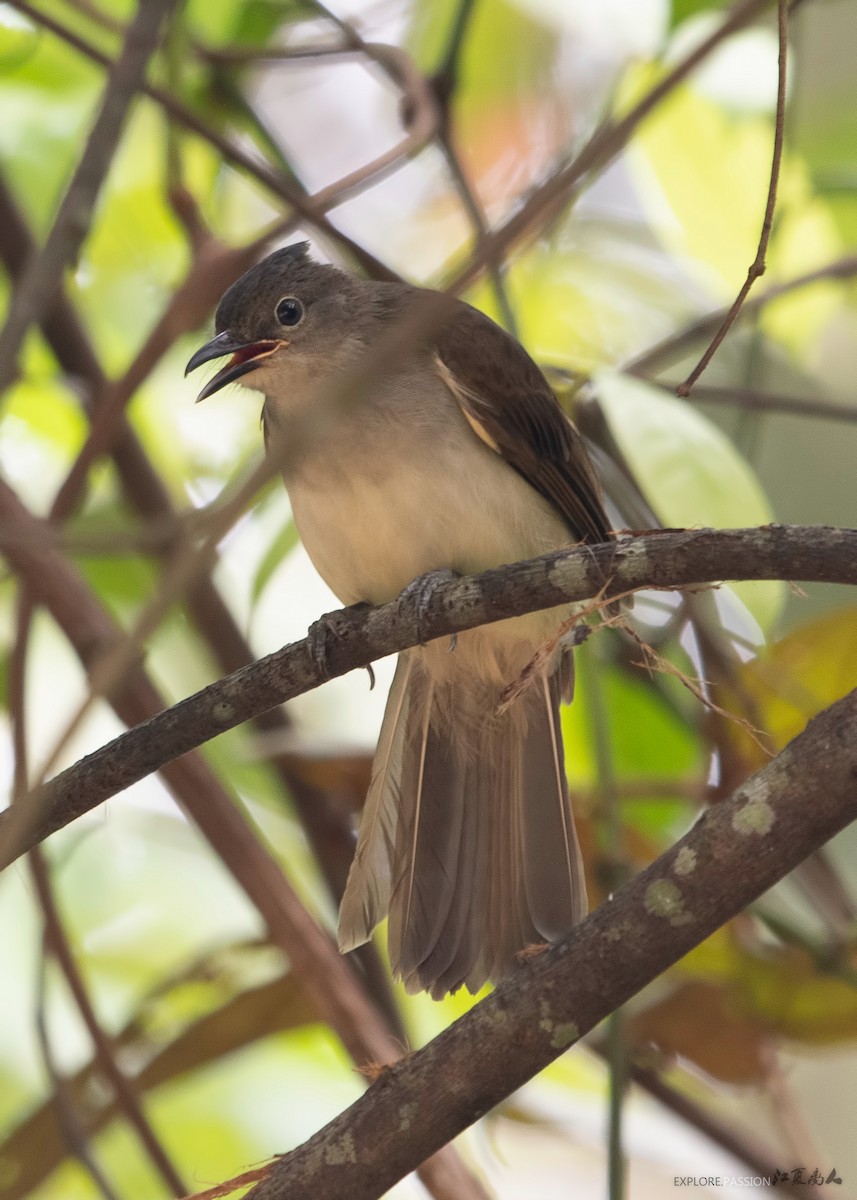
{"x":206,"y":1017}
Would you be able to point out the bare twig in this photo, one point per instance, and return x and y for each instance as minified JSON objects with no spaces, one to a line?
{"x":757,"y":267}
{"x":73,"y":219}
{"x":55,"y":942}
{"x":74,"y":1134}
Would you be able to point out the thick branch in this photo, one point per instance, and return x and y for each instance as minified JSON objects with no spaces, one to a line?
{"x":734,"y":852}
{"x":668,"y":558}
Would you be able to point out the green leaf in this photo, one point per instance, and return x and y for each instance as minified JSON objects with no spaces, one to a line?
{"x":682,"y":9}
{"x":19,"y":38}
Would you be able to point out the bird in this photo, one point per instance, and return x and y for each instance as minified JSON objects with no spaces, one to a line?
{"x":415,"y":436}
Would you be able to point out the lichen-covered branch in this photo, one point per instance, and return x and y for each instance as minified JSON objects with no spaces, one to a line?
{"x":734,"y":852}
{"x":667,"y":559}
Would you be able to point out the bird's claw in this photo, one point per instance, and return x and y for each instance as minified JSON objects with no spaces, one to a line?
{"x":419,"y":593}
{"x":331,"y":627}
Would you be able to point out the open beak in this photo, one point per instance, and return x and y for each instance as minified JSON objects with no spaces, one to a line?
{"x":246,"y":356}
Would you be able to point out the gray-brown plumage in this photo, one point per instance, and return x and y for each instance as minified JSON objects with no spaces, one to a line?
{"x":459,"y":457}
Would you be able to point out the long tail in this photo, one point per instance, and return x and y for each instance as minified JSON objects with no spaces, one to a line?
{"x":467,"y":838}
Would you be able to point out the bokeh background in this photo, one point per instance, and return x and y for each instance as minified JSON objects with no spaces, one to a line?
{"x":419,"y":125}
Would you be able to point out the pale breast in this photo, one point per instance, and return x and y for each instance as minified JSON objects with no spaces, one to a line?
{"x":413,"y":493}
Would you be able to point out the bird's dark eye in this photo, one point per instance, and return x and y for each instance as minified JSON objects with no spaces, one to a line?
{"x":289,"y":311}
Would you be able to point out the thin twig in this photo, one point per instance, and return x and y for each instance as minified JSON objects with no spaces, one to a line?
{"x":127,"y":1099}
{"x":55,"y":943}
{"x":612,"y":872}
{"x":757,"y":267}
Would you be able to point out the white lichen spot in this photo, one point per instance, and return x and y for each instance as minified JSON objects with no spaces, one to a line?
{"x":619,"y":931}
{"x":407,"y":1112}
{"x":222,"y":712}
{"x":546,"y":1021}
{"x":664,"y":899}
{"x":340,"y":1152}
{"x":685,"y":861}
{"x":564,"y":1034}
{"x":756,"y":816}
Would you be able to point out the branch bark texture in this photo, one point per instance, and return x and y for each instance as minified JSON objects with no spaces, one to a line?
{"x":734,"y":852}
{"x":664,"y":559}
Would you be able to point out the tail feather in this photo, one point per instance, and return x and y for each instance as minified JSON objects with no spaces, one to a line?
{"x":467,"y":838}
{"x":552,"y":864}
{"x":432,"y":832}
{"x":366,"y":899}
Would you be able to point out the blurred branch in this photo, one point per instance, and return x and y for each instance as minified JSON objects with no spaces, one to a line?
{"x":445,"y":82}
{"x":551,"y":197}
{"x":67,"y":1118}
{"x":124,"y":1090}
{"x":445,"y":78}
{"x":213,"y":268}
{"x":73,"y":219}
{"x":333,"y":988}
{"x":757,"y":267}
{"x":311,"y":208}
{"x":734,"y":852}
{"x":661,"y":559}
{"x":33,"y":1149}
{"x":72,"y":1130}
{"x":677,"y":344}
{"x":756,"y":401}
{"x":740,"y":1145}
{"x":612,"y":869}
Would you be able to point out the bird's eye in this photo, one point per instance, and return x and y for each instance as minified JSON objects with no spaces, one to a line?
{"x":289,"y":311}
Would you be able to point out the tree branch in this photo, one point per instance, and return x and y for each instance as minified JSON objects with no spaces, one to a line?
{"x":734,"y":852}
{"x":664,"y":559}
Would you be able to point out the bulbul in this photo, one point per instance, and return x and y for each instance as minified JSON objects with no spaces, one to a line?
{"x":455,"y":456}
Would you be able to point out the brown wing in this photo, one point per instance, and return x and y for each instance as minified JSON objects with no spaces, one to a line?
{"x":510,"y":405}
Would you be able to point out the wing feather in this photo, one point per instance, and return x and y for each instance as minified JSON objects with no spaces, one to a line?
{"x":510,"y":406}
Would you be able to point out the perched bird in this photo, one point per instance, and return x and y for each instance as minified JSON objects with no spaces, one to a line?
{"x":455,"y":455}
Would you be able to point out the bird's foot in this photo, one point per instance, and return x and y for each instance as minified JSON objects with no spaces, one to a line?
{"x":420,"y":593}
{"x":331,"y":627}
